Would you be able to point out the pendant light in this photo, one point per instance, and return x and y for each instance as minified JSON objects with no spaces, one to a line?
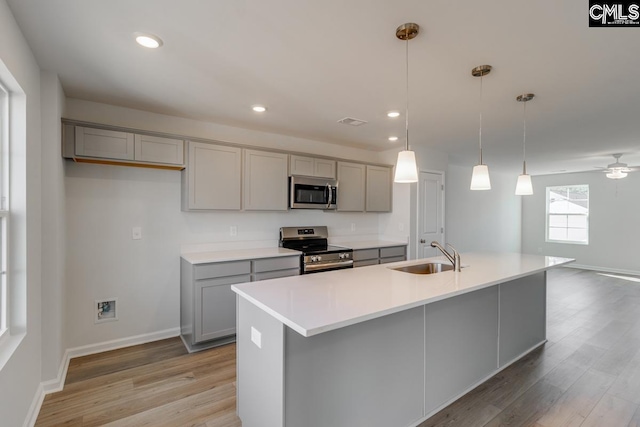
{"x":524,"y":186}
{"x":480,"y":176}
{"x":406,"y":169}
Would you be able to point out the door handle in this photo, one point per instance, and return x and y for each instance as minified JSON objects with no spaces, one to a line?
{"x":423,"y":241}
{"x":330,"y":191}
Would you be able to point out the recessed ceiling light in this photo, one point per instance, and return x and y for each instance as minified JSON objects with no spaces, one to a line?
{"x":259,"y":108}
{"x":393,"y":138}
{"x":393,"y":114}
{"x":148,"y":40}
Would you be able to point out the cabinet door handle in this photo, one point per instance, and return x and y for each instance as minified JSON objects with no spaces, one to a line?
{"x":423,"y":241}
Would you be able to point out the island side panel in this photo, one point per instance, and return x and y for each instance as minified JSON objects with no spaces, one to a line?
{"x":370,"y":374}
{"x":523,"y":312}
{"x":260,"y":368}
{"x":186,"y":302}
{"x":461,"y":345}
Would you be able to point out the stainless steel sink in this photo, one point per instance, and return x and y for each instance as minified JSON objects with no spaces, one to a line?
{"x":426,"y":268}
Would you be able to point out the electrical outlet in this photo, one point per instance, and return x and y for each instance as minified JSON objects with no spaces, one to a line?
{"x":136,"y":233}
{"x":256,"y":337}
{"x":233,"y":230}
{"x":353,"y":226}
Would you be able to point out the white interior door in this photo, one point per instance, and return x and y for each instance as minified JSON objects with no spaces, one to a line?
{"x":430,"y":212}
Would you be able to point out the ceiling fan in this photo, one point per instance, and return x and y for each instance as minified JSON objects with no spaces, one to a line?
{"x":618,"y":170}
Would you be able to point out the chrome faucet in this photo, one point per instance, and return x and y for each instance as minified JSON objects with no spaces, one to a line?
{"x":453,"y":259}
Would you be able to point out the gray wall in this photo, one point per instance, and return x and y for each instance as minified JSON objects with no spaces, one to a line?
{"x":482,"y":220}
{"x":614,"y":227}
{"x":53,"y":228}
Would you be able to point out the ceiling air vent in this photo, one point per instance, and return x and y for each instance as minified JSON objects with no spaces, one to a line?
{"x":352,"y":122}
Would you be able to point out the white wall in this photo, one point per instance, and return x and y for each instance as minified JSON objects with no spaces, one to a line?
{"x":20,"y":373}
{"x":482,"y":220}
{"x":614,"y":230}
{"x":53,"y":228}
{"x":104,"y":202}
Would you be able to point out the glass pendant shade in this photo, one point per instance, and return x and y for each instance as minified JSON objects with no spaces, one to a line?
{"x":524,"y":186}
{"x":480,"y":178}
{"x":406,"y":169}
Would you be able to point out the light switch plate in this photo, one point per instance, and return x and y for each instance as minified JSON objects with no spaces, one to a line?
{"x":256,"y":337}
{"x":136,"y":233}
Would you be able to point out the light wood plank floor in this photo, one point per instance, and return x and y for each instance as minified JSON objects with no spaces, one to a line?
{"x":587,"y":375}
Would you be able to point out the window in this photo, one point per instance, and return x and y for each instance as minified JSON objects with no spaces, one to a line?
{"x":568,"y":214}
{"x":4,"y":215}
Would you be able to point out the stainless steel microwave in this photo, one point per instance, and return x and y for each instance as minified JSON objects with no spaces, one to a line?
{"x":312,"y":193}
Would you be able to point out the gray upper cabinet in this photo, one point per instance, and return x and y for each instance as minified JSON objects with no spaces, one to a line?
{"x":351,"y":187}
{"x":379,"y":185}
{"x":96,"y":145}
{"x":212,"y":179}
{"x":311,"y":166}
{"x":155,"y":149}
{"x":265,"y":181}
{"x":106,"y":144}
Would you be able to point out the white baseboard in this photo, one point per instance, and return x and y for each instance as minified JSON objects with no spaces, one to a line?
{"x":57,"y":384}
{"x":605,"y":269}
{"x":86,"y":350}
{"x":34,"y":409}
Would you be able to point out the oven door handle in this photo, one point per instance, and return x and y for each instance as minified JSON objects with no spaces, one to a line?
{"x":324,"y":266}
{"x":330,"y":194}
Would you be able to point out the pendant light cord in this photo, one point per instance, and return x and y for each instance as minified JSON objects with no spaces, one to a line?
{"x":407,"y":100}
{"x":524,"y":140}
{"x":480,"y":131}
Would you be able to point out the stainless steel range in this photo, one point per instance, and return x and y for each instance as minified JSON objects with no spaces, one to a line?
{"x":317,"y":254}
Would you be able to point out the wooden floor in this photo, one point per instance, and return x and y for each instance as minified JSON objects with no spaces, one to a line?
{"x":588,"y":374}
{"x":155,"y":384}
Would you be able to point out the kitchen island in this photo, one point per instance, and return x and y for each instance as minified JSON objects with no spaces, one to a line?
{"x":374,"y":346}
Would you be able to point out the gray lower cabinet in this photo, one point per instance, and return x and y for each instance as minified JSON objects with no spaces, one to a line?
{"x":207,"y":303}
{"x":383,"y":255}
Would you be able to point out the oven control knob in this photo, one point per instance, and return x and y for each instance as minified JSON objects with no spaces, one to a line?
{"x":346,"y":255}
{"x":341,"y":256}
{"x":314,"y":258}
{"x":319,"y":258}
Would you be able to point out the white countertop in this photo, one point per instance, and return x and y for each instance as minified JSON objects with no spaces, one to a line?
{"x":315,"y":303}
{"x":237,"y":255}
{"x":370,"y":244}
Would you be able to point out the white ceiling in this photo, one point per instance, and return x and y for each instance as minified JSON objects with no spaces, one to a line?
{"x":315,"y":62}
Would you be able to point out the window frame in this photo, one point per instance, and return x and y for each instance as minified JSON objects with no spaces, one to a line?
{"x":548,"y":214}
{"x":4,"y":211}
